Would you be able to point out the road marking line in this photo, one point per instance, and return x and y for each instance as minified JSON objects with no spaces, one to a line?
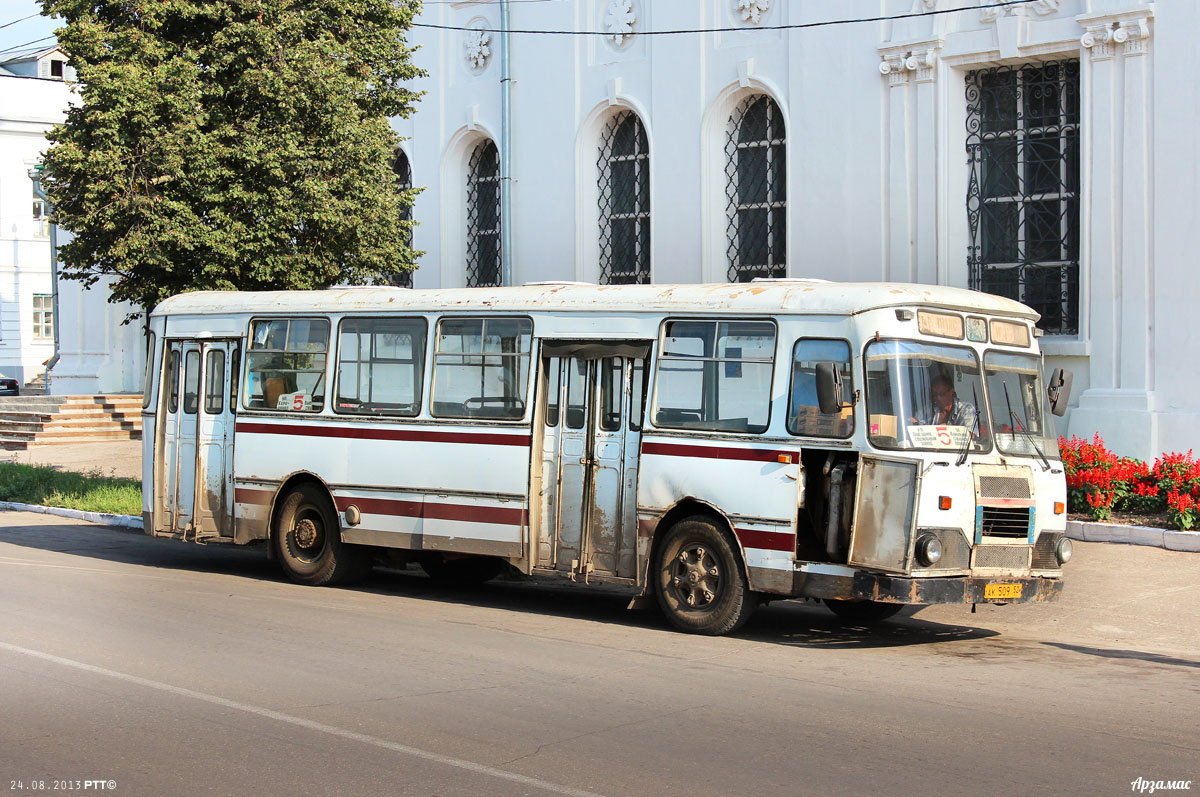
{"x":320,"y":727}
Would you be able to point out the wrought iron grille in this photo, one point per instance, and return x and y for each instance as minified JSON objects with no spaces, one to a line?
{"x":756,"y":187}
{"x":1023,"y":187}
{"x":483,"y":216}
{"x":624,"y":165}
{"x":403,"y":170}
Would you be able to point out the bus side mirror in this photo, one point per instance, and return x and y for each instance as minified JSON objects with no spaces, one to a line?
{"x":1059,"y":390}
{"x":829,"y":388}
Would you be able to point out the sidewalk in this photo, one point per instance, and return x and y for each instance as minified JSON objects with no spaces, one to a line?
{"x":121,"y":458}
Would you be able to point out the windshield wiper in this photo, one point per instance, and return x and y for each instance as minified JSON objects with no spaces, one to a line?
{"x":1020,"y":427}
{"x":962,"y":455}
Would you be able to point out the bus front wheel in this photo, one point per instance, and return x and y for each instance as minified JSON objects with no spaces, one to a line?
{"x":309,"y":544}
{"x":863,"y":612}
{"x":701,"y":585}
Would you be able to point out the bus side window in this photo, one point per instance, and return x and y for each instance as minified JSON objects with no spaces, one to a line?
{"x":481,"y":368}
{"x":148,"y":385}
{"x":285,"y":365}
{"x":804,"y":417}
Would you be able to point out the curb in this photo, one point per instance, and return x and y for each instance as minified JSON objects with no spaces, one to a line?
{"x":120,"y":521}
{"x":1134,"y":535}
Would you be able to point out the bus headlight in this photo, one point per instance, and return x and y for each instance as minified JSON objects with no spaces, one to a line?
{"x":929,"y":549}
{"x":1062,"y":550}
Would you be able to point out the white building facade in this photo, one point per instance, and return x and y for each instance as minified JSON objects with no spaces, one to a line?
{"x":31,"y":103}
{"x":1043,"y":150}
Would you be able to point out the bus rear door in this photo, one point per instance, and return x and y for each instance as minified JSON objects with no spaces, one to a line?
{"x":194,"y":445}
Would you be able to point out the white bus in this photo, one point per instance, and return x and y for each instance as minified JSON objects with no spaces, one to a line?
{"x":714,"y":446}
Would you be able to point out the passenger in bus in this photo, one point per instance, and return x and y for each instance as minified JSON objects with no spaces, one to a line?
{"x":946,"y":409}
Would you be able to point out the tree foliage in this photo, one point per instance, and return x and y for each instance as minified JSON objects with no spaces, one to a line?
{"x":232,"y":144}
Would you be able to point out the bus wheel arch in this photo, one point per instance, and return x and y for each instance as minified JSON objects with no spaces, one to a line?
{"x":305,"y":535}
{"x":697,"y":570}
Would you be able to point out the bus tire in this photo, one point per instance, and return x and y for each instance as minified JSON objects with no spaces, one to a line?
{"x":700,"y":583}
{"x":863,"y":612}
{"x":462,"y":572}
{"x":308,"y":541}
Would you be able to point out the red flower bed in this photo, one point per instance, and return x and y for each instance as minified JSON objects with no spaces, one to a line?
{"x":1099,"y":482}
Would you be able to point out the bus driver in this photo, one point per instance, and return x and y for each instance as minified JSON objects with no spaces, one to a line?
{"x":945,"y":408}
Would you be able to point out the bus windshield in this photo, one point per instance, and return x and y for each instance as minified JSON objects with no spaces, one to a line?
{"x":925,"y":397}
{"x":1014,"y":385}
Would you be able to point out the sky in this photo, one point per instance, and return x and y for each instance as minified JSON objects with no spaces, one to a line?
{"x":25,"y":30}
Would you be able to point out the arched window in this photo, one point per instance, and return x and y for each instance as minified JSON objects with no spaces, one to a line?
{"x":624,"y":165}
{"x":403,"y":172}
{"x":483,"y":216}
{"x":755,"y":149}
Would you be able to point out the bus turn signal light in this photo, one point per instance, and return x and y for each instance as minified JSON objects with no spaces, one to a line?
{"x":944,"y":502}
{"x":1059,"y":507}
{"x":786,"y":459}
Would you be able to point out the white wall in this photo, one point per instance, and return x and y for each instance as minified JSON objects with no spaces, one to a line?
{"x":29,"y":107}
{"x":877,"y":177}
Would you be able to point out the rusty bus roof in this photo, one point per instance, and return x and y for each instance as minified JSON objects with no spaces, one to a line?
{"x":776,"y":296}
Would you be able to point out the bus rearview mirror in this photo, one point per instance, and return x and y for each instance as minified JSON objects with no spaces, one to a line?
{"x":829,"y":388}
{"x":1059,"y":390}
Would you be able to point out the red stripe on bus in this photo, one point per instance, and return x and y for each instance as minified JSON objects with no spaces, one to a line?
{"x":767,"y":540}
{"x":368,"y":433}
{"x":718,"y":452}
{"x":464,"y":512}
{"x":245,"y":496}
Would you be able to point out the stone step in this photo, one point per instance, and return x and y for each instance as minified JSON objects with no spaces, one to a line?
{"x":28,"y":421}
{"x":74,"y":436}
{"x":82,"y":425}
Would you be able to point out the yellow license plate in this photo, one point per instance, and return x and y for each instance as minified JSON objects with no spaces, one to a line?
{"x":1002,"y":591}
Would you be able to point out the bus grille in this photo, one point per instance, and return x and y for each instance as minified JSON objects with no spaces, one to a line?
{"x":1005,"y":521}
{"x":1003,"y":487}
{"x":1010,"y":557}
{"x":1044,"y":557}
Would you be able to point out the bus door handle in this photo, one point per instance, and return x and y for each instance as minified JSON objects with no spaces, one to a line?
{"x":587,"y":461}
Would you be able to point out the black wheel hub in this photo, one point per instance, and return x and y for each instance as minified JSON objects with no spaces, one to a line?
{"x":695,"y":577}
{"x":307,"y":534}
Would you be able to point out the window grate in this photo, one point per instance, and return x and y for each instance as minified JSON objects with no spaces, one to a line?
{"x":483,"y":216}
{"x":403,"y":170}
{"x":756,"y":187}
{"x":624,"y":166}
{"x":1023,"y":187}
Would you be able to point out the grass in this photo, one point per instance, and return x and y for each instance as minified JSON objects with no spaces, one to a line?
{"x":90,"y":492}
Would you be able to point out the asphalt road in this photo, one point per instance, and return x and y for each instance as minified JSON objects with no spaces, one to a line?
{"x":156,"y":667}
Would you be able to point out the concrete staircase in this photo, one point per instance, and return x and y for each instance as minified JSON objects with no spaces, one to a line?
{"x":28,"y":421}
{"x":35,"y":386}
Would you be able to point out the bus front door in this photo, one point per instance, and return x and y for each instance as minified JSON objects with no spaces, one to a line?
{"x":589,"y":464}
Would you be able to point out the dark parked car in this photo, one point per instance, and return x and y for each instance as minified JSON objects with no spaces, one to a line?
{"x":9,"y":387}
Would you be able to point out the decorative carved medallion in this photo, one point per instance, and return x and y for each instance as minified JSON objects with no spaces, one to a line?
{"x":477,"y":48}
{"x":753,"y":11}
{"x":1042,"y":7}
{"x":619,"y":20}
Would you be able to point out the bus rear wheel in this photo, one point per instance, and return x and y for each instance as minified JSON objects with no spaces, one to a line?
{"x":863,"y":612}
{"x":309,"y":544}
{"x":701,"y":586}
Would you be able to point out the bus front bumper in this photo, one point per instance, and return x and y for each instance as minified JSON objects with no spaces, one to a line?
{"x":955,"y":589}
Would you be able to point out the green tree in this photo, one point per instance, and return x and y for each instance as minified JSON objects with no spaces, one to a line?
{"x":232,"y":144}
